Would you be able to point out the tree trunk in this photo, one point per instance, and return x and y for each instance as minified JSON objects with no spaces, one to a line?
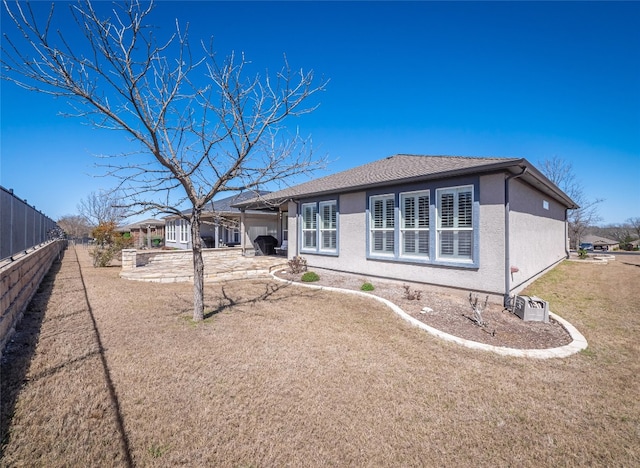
{"x":198,"y":267}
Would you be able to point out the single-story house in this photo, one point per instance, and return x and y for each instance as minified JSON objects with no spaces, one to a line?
{"x":600,"y":243}
{"x":489,"y":225}
{"x":224,"y":225}
{"x":147,"y":233}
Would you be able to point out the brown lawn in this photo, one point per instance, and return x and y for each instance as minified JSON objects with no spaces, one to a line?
{"x":285,"y":376}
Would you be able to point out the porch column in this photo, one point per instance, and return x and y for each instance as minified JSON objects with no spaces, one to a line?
{"x":216,"y":235}
{"x":242,"y":234}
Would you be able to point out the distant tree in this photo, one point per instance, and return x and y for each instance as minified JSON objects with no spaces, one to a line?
{"x":204,"y":128}
{"x":74,"y":226}
{"x":561,"y":173}
{"x":635,"y":225}
{"x":103,"y":207}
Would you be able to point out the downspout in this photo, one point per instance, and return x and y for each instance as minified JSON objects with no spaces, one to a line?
{"x":567,"y":241}
{"x":507,"y":245}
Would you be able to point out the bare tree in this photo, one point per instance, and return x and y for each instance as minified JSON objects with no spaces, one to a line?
{"x":635,"y":225}
{"x":561,"y":173}
{"x":74,"y":226}
{"x":203,"y":127}
{"x":103,"y":207}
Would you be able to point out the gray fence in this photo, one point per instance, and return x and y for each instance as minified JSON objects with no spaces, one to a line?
{"x":22,"y":226}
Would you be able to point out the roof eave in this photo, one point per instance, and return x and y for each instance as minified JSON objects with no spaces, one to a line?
{"x":514,"y":166}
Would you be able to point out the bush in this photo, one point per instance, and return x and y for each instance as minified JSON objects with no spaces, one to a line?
{"x":310,"y":277}
{"x":582,"y":254}
{"x":108,"y":243}
{"x":367,"y":287}
{"x":297,"y":265}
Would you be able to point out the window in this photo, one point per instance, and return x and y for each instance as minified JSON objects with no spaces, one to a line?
{"x":320,"y":226}
{"x":171,"y":231}
{"x":328,"y":226}
{"x":455,"y":223}
{"x":414,"y":230}
{"x":232,"y":234}
{"x":184,"y":231}
{"x":382,"y":223}
{"x":309,"y":225}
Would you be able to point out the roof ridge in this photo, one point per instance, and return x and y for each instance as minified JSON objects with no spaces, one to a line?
{"x":453,"y":156}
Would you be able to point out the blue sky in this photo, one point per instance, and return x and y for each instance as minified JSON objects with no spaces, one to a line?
{"x":509,"y":79}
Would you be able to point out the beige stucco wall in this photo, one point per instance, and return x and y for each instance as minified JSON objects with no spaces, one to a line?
{"x":352,"y":246}
{"x":537,"y":241}
{"x":257,"y":224}
{"x":537,"y":235}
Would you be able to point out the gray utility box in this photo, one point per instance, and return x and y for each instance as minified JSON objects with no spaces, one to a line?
{"x":531,"y":309}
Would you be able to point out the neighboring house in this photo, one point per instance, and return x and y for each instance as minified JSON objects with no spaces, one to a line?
{"x":489,"y":225}
{"x":148,"y":233}
{"x":600,"y":243}
{"x":224,"y":225}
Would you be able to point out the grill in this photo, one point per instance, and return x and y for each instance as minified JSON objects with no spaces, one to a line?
{"x":265,"y":245}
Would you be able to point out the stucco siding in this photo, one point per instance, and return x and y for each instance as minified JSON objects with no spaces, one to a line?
{"x":352,"y":255}
{"x":259,"y":225}
{"x":537,"y":233}
{"x":536,"y":239}
{"x":292,"y":213}
{"x":492,"y":239}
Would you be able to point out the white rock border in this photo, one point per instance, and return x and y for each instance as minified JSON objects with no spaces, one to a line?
{"x":577,"y":344}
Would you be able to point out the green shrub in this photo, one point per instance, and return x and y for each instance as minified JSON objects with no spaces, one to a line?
{"x":367,"y":287}
{"x":309,"y":277}
{"x":582,"y":254}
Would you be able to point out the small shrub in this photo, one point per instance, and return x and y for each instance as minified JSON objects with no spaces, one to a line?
{"x":414,"y":295}
{"x":367,"y":287}
{"x":582,"y":254}
{"x":310,"y":277}
{"x":297,"y":265}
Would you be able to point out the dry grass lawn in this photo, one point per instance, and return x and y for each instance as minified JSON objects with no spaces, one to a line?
{"x":286,"y":376}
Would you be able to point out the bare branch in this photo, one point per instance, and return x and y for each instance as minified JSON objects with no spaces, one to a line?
{"x":203,"y":126}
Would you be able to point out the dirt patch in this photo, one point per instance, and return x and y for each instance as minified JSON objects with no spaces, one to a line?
{"x":281,"y":375}
{"x":452,"y":313}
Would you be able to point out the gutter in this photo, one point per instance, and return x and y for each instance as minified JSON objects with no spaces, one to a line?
{"x":507,"y":244}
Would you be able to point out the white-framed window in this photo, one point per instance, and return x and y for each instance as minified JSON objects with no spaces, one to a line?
{"x":320,"y":226}
{"x":455,"y":223}
{"x":184,"y":231}
{"x":232,"y":234}
{"x":382,"y":224}
{"x":328,"y":225}
{"x":171,"y":231}
{"x":309,"y":226}
{"x":414,"y":224}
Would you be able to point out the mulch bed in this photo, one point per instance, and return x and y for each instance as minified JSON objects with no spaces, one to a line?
{"x":452,"y":313}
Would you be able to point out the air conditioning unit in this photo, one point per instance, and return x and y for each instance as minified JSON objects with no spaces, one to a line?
{"x":531,"y":308}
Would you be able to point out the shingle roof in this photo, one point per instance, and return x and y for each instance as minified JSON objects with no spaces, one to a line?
{"x":398,"y":168}
{"x":599,"y":240}
{"x":142,"y":224}
{"x":405,"y":168}
{"x":226,"y":205}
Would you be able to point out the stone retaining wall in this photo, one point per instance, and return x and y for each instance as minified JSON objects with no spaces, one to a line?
{"x":20,"y":280}
{"x":132,"y":258}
